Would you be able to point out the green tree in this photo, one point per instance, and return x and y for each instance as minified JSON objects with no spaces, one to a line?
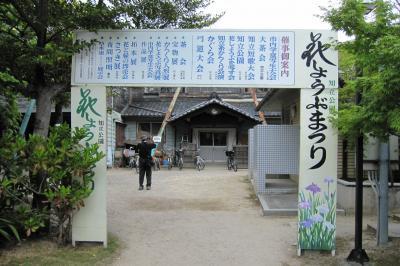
{"x":9,"y":114}
{"x":36,"y":37}
{"x":372,"y":62}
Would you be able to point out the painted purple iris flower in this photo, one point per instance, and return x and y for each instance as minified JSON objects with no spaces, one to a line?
{"x":317,"y":218}
{"x":313,"y":188}
{"x":307,"y":223}
{"x":328,"y":225}
{"x":304,"y":205}
{"x":328,"y":180}
{"x":323,"y":209}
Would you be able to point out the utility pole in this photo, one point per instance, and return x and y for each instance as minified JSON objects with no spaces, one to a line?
{"x":260,"y":113}
{"x":384,"y":166}
{"x":358,"y":254}
{"x":168,"y":113}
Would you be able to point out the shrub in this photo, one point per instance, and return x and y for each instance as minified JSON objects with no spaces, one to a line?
{"x":40,"y":176}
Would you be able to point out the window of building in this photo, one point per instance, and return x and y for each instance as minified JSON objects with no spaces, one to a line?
{"x":120,"y":135}
{"x":171,"y":90}
{"x":206,"y":139}
{"x":148,"y":129}
{"x":151,"y":91}
{"x":220,"y":138}
{"x":213,"y":138}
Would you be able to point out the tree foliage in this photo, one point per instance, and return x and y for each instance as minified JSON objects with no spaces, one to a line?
{"x":65,"y":169}
{"x":375,"y":56}
{"x":36,"y":37}
{"x":9,"y":113}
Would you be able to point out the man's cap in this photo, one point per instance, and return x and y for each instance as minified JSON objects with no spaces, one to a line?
{"x":144,"y":137}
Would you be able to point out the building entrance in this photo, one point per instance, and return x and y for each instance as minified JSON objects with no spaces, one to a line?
{"x":213,"y":145}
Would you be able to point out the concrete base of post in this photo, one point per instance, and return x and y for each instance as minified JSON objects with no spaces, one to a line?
{"x":358,"y":255}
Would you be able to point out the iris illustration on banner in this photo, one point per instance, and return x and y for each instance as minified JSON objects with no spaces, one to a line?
{"x":304,"y":205}
{"x":313,"y":188}
{"x":317,"y":218}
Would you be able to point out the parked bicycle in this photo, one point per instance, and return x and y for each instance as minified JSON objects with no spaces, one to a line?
{"x":157,"y":164}
{"x":136,"y":162}
{"x":230,"y":161}
{"x":133,"y":159}
{"x":169,"y":157}
{"x":156,"y":160}
{"x":199,"y":161}
{"x":179,"y":158}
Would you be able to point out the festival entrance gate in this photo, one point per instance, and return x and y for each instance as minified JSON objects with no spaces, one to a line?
{"x":207,"y":58}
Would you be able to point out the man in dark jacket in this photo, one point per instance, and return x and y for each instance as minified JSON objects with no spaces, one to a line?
{"x":145,"y":161}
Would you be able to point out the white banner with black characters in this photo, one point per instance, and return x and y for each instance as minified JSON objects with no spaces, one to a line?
{"x":199,"y":58}
{"x":318,"y":149}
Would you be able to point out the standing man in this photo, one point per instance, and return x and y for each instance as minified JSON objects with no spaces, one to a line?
{"x":145,"y":161}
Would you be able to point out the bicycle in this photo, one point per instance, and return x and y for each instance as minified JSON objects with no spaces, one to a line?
{"x":156,"y":160}
{"x":179,"y":158}
{"x":133,"y":159}
{"x":199,"y":162}
{"x":231,"y":162}
{"x":157,"y":165}
{"x":169,"y":152}
{"x":137,"y":162}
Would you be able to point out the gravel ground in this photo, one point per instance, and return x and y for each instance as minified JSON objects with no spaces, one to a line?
{"x":199,"y":218}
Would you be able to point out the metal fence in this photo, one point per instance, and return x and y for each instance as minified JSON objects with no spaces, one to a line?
{"x":273,"y":150}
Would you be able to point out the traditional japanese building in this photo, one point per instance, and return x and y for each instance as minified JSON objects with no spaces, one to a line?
{"x":212,"y":119}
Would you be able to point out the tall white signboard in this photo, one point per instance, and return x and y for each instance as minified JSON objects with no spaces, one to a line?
{"x":318,"y":151}
{"x":88,"y":110}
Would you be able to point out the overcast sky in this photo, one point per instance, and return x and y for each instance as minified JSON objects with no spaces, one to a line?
{"x":270,"y":14}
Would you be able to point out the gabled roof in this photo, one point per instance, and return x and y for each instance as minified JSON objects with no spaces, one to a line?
{"x":145,"y":109}
{"x":157,"y":108}
{"x":217,"y":102}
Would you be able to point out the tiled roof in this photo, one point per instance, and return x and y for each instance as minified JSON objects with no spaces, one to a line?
{"x":214,"y":101}
{"x":157,"y":108}
{"x":145,"y":109}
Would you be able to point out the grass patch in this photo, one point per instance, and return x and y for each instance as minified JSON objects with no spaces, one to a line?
{"x":388,"y":255}
{"x":379,"y":256}
{"x":45,"y":252}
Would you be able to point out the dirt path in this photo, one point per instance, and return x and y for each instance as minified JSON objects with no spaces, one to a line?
{"x":198,"y":218}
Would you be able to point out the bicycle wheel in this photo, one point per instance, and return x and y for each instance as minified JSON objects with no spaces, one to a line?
{"x":198,"y":166}
{"x":156,"y":165}
{"x":137,"y":165}
{"x":202,"y":165}
{"x":234,"y":166}
{"x":169,"y":164}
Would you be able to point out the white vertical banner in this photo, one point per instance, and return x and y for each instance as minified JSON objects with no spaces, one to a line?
{"x":318,"y":147}
{"x":88,"y":109}
{"x":317,"y":171}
